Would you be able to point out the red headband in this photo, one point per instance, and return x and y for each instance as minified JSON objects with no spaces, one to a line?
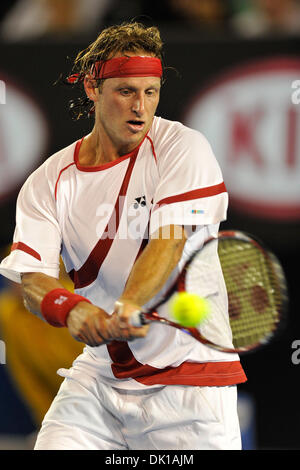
{"x":123,"y":67}
{"x":128,"y":67}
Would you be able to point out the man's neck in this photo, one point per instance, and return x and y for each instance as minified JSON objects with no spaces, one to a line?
{"x":97,"y":150}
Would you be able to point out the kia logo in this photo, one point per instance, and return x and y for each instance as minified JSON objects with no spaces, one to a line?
{"x":251,"y":117}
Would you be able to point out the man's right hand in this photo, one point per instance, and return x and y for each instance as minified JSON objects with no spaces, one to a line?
{"x":93,"y":326}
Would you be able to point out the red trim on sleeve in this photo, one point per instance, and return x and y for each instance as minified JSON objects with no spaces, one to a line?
{"x":194,"y":194}
{"x":124,"y":365}
{"x":23,"y":247}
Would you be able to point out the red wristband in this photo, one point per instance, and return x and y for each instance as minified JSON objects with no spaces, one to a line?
{"x":57,"y":304}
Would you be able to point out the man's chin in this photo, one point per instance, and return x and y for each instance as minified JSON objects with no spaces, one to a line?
{"x":137,"y":137}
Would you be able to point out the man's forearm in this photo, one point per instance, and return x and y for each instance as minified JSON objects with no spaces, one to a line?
{"x":35,"y":286}
{"x":153,"y":267}
{"x":92,"y":325}
{"x":85,"y":321}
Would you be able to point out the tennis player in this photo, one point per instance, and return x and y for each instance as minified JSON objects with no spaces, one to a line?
{"x":125,"y":206}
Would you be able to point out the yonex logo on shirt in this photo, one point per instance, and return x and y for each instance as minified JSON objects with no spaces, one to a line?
{"x":194,"y":211}
{"x":61,"y":299}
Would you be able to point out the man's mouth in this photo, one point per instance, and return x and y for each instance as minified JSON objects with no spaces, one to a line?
{"x":136,"y":125}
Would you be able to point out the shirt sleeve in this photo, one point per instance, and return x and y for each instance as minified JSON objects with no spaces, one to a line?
{"x":37,"y":238}
{"x":191,"y":190}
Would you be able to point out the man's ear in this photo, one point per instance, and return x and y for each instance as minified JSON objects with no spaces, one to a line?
{"x":91,"y":88}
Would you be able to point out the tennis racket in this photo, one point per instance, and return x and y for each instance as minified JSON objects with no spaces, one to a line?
{"x":256,"y":299}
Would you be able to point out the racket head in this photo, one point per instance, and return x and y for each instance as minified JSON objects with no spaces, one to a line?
{"x":256,"y":290}
{"x":261,"y":288}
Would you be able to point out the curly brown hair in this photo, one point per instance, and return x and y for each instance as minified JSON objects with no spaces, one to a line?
{"x":126,"y":37}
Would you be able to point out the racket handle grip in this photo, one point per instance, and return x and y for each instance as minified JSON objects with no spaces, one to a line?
{"x":138,"y":319}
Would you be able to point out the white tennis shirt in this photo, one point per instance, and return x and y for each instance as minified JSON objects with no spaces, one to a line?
{"x":100,"y":218}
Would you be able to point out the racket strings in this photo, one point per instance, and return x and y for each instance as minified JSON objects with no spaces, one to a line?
{"x":253,"y":291}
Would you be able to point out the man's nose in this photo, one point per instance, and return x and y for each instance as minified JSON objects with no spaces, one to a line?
{"x":138,"y":105}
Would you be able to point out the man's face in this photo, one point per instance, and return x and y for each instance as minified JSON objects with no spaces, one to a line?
{"x":126,"y":108}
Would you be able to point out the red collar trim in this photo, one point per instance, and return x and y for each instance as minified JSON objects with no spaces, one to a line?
{"x":104,"y":166}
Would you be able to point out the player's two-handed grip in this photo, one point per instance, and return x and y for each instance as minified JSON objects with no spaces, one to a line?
{"x":93,"y":326}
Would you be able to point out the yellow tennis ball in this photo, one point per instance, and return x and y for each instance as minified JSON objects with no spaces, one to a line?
{"x":189,"y":309}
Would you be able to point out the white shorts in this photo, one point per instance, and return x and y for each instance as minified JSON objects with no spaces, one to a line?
{"x":89,"y":415}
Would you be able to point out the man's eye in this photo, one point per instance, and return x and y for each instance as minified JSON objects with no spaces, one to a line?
{"x":125,"y":92}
